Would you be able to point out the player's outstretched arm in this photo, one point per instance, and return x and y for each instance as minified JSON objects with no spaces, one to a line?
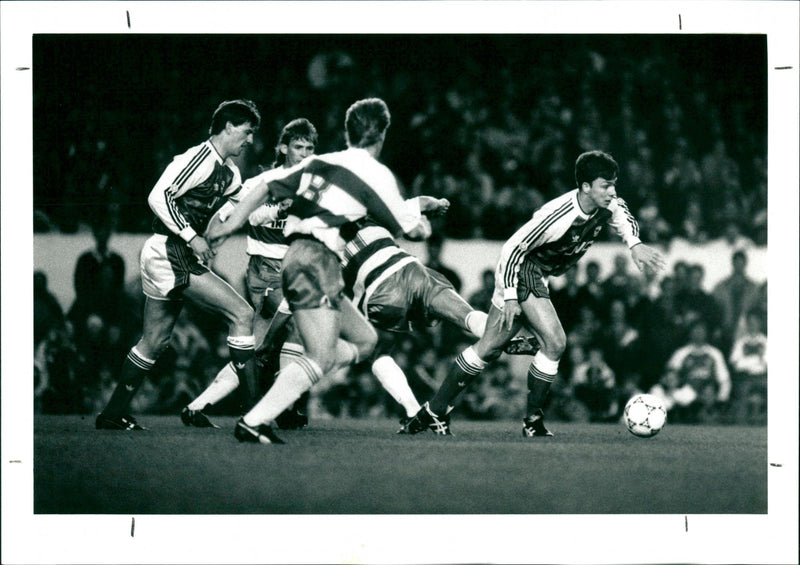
{"x":648,"y":259}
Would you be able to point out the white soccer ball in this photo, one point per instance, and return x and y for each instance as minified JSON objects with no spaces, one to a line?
{"x":645,"y":415}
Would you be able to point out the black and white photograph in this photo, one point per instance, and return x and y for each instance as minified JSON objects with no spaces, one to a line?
{"x":400,"y":282}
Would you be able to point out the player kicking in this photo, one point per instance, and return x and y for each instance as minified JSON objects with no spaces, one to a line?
{"x":266,"y":247}
{"x":331,"y":193}
{"x":556,"y":237}
{"x":397,"y":293}
{"x":190,"y":190}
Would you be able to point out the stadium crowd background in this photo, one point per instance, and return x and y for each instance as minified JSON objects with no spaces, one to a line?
{"x":493,"y":123}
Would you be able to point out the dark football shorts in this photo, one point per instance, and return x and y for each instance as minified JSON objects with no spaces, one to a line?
{"x":312,"y":276}
{"x":405,"y":298}
{"x":530,"y":281}
{"x":264,"y":283}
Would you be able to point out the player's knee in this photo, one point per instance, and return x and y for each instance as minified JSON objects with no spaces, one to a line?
{"x":152,"y":345}
{"x":554,"y":343}
{"x":242,"y":315}
{"x":367,"y":344}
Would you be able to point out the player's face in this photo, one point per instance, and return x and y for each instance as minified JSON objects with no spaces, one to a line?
{"x":602,"y":191}
{"x":297,"y":150}
{"x":239,"y":137}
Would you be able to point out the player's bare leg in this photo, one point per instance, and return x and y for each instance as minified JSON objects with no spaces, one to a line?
{"x":543,"y":319}
{"x":159,"y":320}
{"x":450,"y":306}
{"x":226,"y":380}
{"x":211,"y":292}
{"x":319,"y":331}
{"x":467,"y":366}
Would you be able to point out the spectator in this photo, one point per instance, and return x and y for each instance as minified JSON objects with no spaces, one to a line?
{"x":748,"y":361}
{"x":653,"y":227}
{"x":736,"y":294}
{"x":592,"y":288}
{"x":720,"y":174}
{"x":593,"y":384}
{"x":733,"y":238}
{"x":680,"y":276}
{"x":696,"y":384}
{"x":618,"y":283}
{"x":694,"y":303}
{"x":620,"y":343}
{"x":693,"y":224}
{"x":682,"y":178}
{"x":47,"y":312}
{"x":99,"y":272}
{"x":481,"y":299}
{"x":58,"y":378}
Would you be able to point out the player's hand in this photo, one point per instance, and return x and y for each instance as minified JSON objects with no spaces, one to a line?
{"x":440,"y":207}
{"x":511,"y":310}
{"x":283,"y":208}
{"x":201,"y":248}
{"x":214,"y":225}
{"x":216,"y":232}
{"x":647,"y":259}
{"x":431,"y":206}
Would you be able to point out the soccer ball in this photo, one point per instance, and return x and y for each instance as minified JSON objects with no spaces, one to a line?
{"x":645,"y":415}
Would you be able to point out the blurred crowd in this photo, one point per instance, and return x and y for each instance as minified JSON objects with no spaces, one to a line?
{"x":497,"y":142}
{"x":704,"y":353}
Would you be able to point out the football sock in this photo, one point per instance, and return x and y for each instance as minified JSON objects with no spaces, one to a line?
{"x":241,"y":350}
{"x":134,"y":370}
{"x":225,"y":383}
{"x":346,"y":354}
{"x":476,"y":323}
{"x":541,"y":375}
{"x":290,"y":383}
{"x":394,"y":380}
{"x":463,"y":371}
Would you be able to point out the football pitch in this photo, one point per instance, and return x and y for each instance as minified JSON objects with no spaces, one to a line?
{"x":363,"y":467}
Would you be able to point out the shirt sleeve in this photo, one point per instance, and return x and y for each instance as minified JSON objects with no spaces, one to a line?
{"x":624,"y":224}
{"x":264,"y":214}
{"x":181,"y":175}
{"x":391,"y":211}
{"x":233,"y":199}
{"x":162,"y":201}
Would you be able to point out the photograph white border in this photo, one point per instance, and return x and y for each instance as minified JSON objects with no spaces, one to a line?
{"x":28,"y":538}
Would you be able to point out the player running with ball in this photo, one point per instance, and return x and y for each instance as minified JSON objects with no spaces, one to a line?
{"x":553,"y":240}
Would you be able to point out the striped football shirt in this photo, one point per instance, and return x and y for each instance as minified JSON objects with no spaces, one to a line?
{"x":192,"y":187}
{"x":558,"y":235}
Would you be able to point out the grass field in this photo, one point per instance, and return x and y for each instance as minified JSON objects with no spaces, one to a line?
{"x":363,"y":467}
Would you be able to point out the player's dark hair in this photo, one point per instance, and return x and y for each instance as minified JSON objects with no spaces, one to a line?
{"x":299,"y":128}
{"x":365,"y":121}
{"x":237,"y":112}
{"x":594,"y":165}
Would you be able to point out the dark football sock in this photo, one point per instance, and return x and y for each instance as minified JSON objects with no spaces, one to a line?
{"x":538,"y":388}
{"x":464,"y":370}
{"x":244,"y":363}
{"x":134,"y":370}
